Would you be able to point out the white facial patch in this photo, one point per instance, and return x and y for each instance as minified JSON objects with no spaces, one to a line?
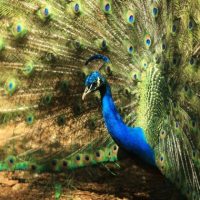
{"x":98,"y":82}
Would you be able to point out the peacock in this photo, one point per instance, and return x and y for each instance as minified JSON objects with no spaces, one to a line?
{"x":143,"y":56}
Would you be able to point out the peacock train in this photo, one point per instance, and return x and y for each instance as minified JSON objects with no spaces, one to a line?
{"x":82,"y":80}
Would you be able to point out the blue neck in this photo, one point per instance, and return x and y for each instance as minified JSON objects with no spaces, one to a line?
{"x":131,"y":139}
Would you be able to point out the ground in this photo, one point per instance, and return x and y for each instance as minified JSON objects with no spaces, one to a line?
{"x":132,"y":180}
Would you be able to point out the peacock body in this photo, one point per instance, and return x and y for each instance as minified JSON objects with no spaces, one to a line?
{"x":150,"y":52}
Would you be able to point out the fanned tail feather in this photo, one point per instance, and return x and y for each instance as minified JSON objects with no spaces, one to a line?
{"x":154,"y":50}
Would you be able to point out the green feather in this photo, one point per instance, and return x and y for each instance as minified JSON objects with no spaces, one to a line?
{"x":154,"y":76}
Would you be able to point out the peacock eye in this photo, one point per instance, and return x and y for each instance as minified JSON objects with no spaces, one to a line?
{"x":155,"y":11}
{"x":76,"y":8}
{"x":11,"y":160}
{"x":131,"y":18}
{"x":107,"y":7}
{"x":191,"y":24}
{"x":130,"y":50}
{"x":174,"y":28}
{"x":19,"y":28}
{"x":104,"y":45}
{"x":94,"y":85}
{"x":192,"y":61}
{"x":10,"y":86}
{"x":148,"y":41}
{"x":46,"y":11}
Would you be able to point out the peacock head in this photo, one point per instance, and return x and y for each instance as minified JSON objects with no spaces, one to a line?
{"x":95,"y":81}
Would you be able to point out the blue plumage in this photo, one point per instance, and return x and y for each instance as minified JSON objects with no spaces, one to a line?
{"x":130,"y":139}
{"x":92,"y":78}
{"x":152,"y":60}
{"x":98,"y":57}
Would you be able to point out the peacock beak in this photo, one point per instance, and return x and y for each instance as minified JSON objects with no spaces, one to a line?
{"x":86,"y":92}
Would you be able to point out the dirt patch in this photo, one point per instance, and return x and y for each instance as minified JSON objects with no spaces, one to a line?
{"x":131,"y":181}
